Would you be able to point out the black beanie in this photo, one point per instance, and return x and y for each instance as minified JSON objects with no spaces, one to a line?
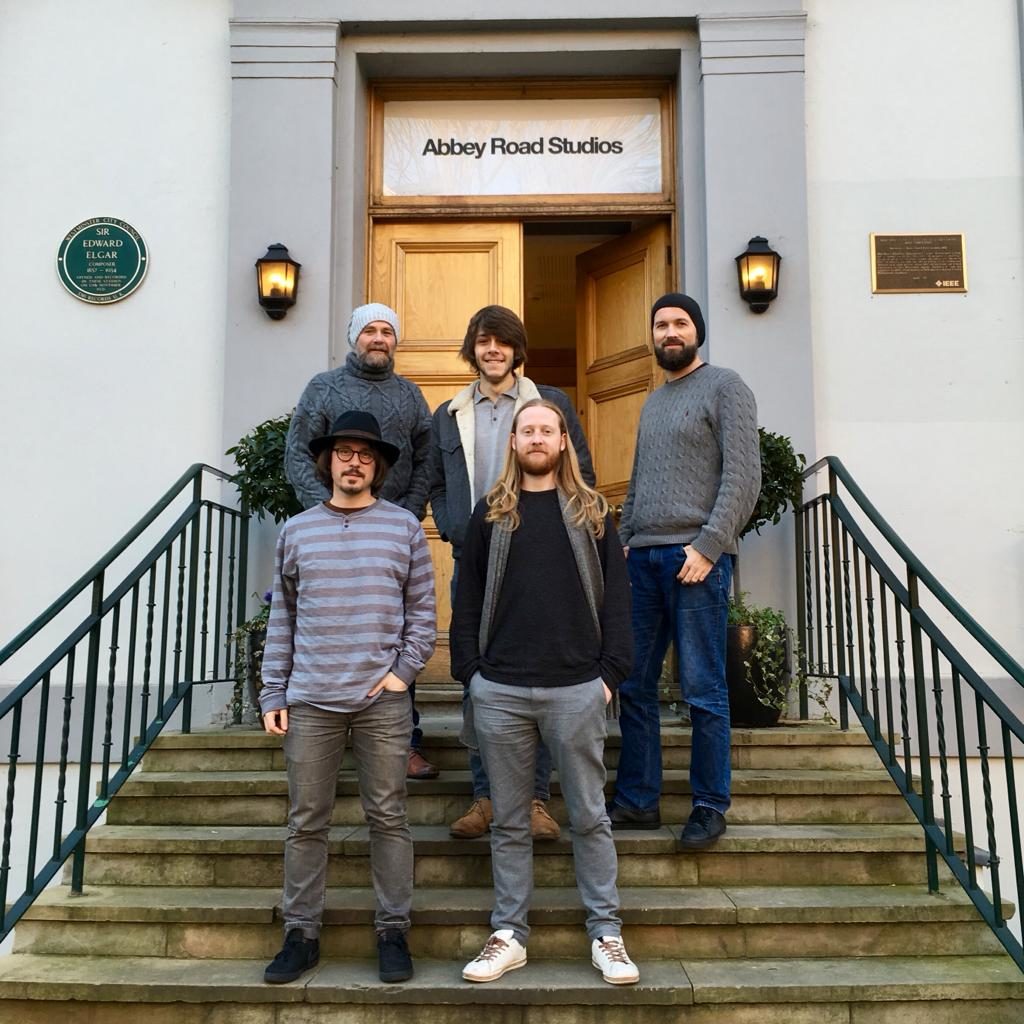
{"x":679,"y":301}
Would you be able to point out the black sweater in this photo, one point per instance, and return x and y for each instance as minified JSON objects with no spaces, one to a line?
{"x":543,"y":633}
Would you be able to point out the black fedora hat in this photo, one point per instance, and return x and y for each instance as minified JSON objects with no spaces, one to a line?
{"x":362,"y":426}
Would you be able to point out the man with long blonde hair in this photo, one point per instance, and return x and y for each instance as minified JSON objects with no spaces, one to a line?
{"x":541,"y":633}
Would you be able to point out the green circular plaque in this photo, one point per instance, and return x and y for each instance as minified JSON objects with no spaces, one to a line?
{"x":102,"y":260}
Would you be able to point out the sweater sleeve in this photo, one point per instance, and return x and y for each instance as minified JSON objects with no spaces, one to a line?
{"x":438,"y":484}
{"x":308,"y":421}
{"x":579,"y":442}
{"x":467,"y":609}
{"x":279,"y":649}
{"x":626,"y":519}
{"x":415,"y":498}
{"x":419,"y":632}
{"x":741,"y":470}
{"x":616,"y":659}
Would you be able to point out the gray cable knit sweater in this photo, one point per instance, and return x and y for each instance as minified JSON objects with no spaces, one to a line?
{"x":404,"y":420}
{"x":697,"y":468}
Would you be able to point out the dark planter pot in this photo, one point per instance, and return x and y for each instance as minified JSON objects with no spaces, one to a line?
{"x":744,"y":707}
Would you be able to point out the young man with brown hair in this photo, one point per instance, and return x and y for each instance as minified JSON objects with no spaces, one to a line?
{"x":469,"y":442}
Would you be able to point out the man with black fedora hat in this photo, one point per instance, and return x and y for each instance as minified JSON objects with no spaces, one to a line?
{"x":352,"y":622}
{"x":367,"y":381}
{"x":696,"y":477}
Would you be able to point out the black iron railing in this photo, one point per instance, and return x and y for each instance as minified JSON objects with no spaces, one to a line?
{"x":118,"y":676}
{"x":906,"y":657}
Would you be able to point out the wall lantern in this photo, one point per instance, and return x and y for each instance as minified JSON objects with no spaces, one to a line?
{"x":277,"y":279}
{"x":758,"y":270}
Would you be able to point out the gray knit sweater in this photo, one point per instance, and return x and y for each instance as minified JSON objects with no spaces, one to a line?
{"x":404,"y":420}
{"x":697,"y":468}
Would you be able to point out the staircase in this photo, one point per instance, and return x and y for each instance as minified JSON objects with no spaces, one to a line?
{"x":812,"y":909}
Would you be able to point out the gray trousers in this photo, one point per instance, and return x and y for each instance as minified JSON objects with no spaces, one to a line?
{"x":510,"y":722}
{"x":313,"y":747}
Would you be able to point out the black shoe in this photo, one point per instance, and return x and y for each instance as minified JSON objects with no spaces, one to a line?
{"x":703,"y":829}
{"x":298,"y":955}
{"x":393,"y":956}
{"x":626,"y":817}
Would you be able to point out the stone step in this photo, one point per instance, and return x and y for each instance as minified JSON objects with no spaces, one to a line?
{"x":782,"y":796}
{"x":881,"y":990}
{"x":659,"y":923}
{"x":812,"y":745}
{"x":746,"y":854}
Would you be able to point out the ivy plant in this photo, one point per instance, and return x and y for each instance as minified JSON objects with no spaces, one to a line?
{"x":261,"y":479}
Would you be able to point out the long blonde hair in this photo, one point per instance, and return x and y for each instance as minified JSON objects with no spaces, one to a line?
{"x":587,"y":507}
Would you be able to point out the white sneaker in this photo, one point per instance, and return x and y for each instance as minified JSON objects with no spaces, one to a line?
{"x":609,"y":956}
{"x":501,"y":953}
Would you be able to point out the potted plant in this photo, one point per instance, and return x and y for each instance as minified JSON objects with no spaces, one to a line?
{"x":757,"y":663}
{"x":249,"y":639}
{"x":260,"y":479}
{"x":265,"y":489}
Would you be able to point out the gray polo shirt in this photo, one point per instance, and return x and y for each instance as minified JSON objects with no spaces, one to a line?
{"x":493,"y":423}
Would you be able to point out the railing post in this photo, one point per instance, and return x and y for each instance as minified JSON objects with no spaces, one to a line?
{"x":801,"y":611}
{"x":88,"y":724}
{"x":837,"y":599}
{"x":190,"y":616}
{"x":923,"y":738}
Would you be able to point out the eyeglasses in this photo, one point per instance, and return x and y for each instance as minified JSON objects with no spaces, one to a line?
{"x":345,"y":454}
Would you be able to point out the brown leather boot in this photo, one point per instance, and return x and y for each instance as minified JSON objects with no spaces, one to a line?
{"x":542,"y":825}
{"x":420,"y":767}
{"x":475,"y":822}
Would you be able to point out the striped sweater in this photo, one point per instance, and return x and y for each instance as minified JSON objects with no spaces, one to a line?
{"x":353,"y":600}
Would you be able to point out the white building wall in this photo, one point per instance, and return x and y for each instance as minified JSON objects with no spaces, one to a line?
{"x":123,"y":110}
{"x":914,"y":124}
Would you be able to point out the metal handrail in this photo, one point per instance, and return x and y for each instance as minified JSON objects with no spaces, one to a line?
{"x":105,"y":562}
{"x":862,"y":622}
{"x":186,"y":587}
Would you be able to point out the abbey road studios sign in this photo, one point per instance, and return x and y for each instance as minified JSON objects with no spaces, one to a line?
{"x":499,"y":147}
{"x":102,"y":260}
{"x":918,"y":263}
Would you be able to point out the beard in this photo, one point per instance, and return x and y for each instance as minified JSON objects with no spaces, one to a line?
{"x":532,"y":464}
{"x":676,"y":359}
{"x":352,"y":484}
{"x":376,"y":359}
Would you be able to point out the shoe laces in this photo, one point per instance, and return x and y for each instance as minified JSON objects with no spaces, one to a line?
{"x":614,"y":950}
{"x":393,"y":937}
{"x":493,"y":948}
{"x":702,"y":815}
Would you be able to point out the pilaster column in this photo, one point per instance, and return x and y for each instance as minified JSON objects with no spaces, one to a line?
{"x":752,"y":85}
{"x":284,"y":84}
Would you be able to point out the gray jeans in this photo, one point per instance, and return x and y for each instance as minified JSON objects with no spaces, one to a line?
{"x":313,"y":747}
{"x":510,"y":722}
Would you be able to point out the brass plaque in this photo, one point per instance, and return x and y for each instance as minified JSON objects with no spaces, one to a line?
{"x":911,"y":262}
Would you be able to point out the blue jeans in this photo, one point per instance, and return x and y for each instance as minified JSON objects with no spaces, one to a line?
{"x":693,"y":616}
{"x":481,"y":784}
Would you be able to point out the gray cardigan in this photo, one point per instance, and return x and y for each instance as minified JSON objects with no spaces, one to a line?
{"x":452,"y":452}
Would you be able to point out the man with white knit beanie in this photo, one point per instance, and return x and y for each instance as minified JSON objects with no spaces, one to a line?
{"x":367,"y":382}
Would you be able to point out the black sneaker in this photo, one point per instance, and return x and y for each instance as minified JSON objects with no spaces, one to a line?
{"x":393,"y":956}
{"x":703,"y":829}
{"x":298,"y":956}
{"x":626,"y":817}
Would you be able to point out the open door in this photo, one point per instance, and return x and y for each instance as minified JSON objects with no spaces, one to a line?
{"x":616,"y":285}
{"x":436,"y":275}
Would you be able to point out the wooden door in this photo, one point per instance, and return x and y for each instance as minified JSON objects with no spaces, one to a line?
{"x":436,"y":275}
{"x":616,"y":285}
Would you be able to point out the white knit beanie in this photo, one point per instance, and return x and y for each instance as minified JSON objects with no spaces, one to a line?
{"x":363,"y":315}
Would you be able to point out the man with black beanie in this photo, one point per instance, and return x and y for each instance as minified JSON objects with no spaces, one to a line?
{"x":696,"y":477}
